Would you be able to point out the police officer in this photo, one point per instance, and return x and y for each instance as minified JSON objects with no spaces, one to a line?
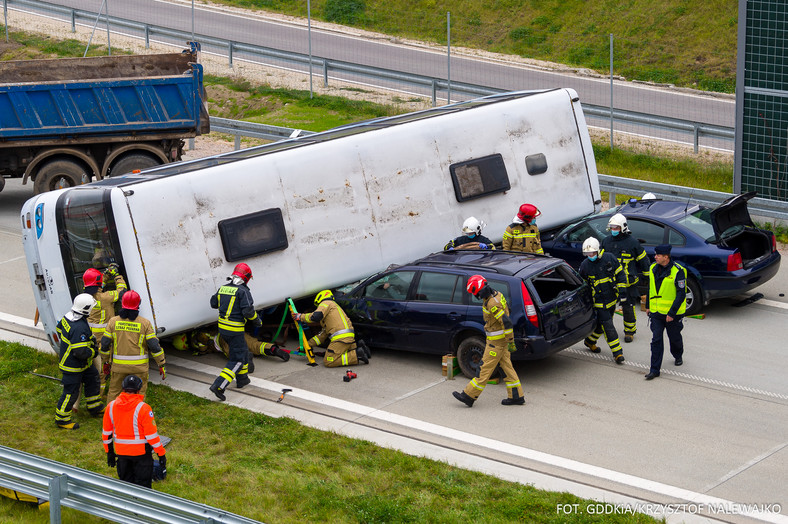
{"x":236,"y":308}
{"x":104,"y":309}
{"x":500,"y":343}
{"x":522,"y":234}
{"x":77,"y":351}
{"x":337,"y":330}
{"x":130,"y":434}
{"x":634,"y":263}
{"x":666,"y":304}
{"x":126,"y":345}
{"x":603,"y":272}
{"x":472,"y":234}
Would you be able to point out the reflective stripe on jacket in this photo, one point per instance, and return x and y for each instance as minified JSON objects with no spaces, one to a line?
{"x":235,"y":307}
{"x":130,"y":343}
{"x":523,"y":238}
{"x":77,"y":345}
{"x":671,"y":285}
{"x":606,"y":278}
{"x":334,"y":321}
{"x":129,"y":425}
{"x":630,"y":254}
{"x":105,"y":307}
{"x":494,"y":309}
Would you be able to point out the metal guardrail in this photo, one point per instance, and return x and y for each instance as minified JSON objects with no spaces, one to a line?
{"x":436,"y":85}
{"x":102,"y":496}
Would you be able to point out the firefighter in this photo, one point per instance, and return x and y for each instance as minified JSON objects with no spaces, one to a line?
{"x":337,"y":330}
{"x":130,"y":434}
{"x":104,"y":309}
{"x":236,"y":308}
{"x":523,"y":234}
{"x":603,"y":272}
{"x":500,"y":344}
{"x":128,"y":343}
{"x":77,"y":351}
{"x":634,"y":264}
{"x":472,"y":234}
{"x":666,"y":304}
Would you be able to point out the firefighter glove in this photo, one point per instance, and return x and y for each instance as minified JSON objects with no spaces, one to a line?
{"x":163,"y":372}
{"x":512,"y":347}
{"x":163,"y":462}
{"x":107,"y":369}
{"x":297,"y":317}
{"x":111,"y":457}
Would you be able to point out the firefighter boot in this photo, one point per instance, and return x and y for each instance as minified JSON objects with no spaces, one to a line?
{"x":364,"y":345}
{"x":250,"y":363}
{"x":281,"y":353}
{"x":516,"y":399}
{"x":219,"y":392}
{"x":592,"y":347}
{"x":242,"y":380}
{"x":464,"y":398}
{"x":619,"y":356}
{"x":362,"y":355}
{"x":629,"y":337}
{"x":67,"y":425}
{"x":95,"y":412}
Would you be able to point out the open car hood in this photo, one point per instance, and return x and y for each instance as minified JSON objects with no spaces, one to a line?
{"x":732,"y":212}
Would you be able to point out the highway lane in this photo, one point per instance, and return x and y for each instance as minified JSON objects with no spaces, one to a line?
{"x":384,"y":52}
{"x":716,"y":427}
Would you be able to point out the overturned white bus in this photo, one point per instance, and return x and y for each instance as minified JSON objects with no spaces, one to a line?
{"x":316,"y":211}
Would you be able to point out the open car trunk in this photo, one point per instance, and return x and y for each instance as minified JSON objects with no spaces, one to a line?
{"x":752,"y":244}
{"x":732,"y":215}
{"x":559,"y":294}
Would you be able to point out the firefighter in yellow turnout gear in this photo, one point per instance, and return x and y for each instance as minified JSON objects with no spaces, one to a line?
{"x":337,"y":330}
{"x":500,"y":344}
{"x":522,"y":234}
{"x":128,"y":343}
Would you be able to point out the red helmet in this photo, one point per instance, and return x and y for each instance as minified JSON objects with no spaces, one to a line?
{"x":131,"y":300}
{"x":528,"y":212}
{"x":475,"y":284}
{"x":92,"y":277}
{"x":244,"y":271}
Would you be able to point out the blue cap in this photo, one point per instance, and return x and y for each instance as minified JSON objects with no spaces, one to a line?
{"x":663,"y":249}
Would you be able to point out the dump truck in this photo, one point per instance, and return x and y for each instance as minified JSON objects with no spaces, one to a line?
{"x":70,"y":121}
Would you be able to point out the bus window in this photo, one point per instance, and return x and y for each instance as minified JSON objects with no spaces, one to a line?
{"x":86,"y":232}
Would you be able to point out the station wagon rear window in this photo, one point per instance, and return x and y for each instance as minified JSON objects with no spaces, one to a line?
{"x":479,"y":177}
{"x":253,"y":234}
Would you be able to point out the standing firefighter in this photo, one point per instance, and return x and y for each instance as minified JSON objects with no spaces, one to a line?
{"x":130,"y":434}
{"x":522,"y":234}
{"x":104,"y":309}
{"x":603,"y":272}
{"x":77,"y":351}
{"x":634,"y":263}
{"x":337,"y":330}
{"x":236,"y":308}
{"x":500,"y":345}
{"x":127,"y":342}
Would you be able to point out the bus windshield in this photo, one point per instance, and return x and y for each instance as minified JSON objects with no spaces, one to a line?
{"x":87,"y":234}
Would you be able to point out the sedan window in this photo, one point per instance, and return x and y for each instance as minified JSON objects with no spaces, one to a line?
{"x":699,"y":223}
{"x":391,"y":286}
{"x":439,"y":287}
{"x":647,"y":232}
{"x":675,"y":238}
{"x":596,"y":227}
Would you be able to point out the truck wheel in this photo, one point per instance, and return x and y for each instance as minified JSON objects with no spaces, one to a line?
{"x":469,"y":355}
{"x":694,"y":297}
{"x":130,"y":162}
{"x":58,"y":174}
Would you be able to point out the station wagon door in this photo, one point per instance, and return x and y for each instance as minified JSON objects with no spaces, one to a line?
{"x":436,"y":310}
{"x":563,"y":299}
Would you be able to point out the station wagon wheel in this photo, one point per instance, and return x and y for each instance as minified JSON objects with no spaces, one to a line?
{"x":694,"y":297}
{"x":469,"y":355}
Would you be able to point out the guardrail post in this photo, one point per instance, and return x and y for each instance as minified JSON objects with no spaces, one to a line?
{"x":73,"y":21}
{"x":325,"y":73}
{"x":230,"y":53}
{"x":611,"y":198}
{"x":58,"y":489}
{"x":237,"y":141}
{"x":696,"y":133}
{"x":147,"y":36}
{"x":434,"y":93}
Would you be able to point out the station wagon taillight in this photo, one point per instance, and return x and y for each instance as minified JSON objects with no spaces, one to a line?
{"x":530,"y":308}
{"x":774,"y":243}
{"x":735,"y":262}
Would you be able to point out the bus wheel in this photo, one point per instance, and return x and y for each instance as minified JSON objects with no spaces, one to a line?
{"x":132,"y":161}
{"x":58,"y":174}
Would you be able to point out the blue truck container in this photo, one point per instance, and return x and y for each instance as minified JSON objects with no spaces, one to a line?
{"x":69,"y":121}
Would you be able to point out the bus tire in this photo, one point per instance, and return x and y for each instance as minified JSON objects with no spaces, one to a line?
{"x":60,"y":173}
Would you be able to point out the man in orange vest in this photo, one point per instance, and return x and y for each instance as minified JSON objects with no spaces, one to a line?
{"x":129,"y":435}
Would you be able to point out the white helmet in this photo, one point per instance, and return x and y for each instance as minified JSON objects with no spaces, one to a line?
{"x":83,"y":303}
{"x":618,"y":220}
{"x":472,"y":225}
{"x":649,"y":196}
{"x":591,"y":245}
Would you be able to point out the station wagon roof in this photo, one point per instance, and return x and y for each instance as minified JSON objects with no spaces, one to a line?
{"x":502,"y":262}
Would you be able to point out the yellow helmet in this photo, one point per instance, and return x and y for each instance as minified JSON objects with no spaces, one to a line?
{"x":323,"y":295}
{"x":180,"y":342}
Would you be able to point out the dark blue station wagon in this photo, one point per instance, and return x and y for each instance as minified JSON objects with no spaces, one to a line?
{"x":424,"y":306}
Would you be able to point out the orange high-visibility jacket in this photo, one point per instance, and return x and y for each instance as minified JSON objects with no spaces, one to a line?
{"x":129,"y":425}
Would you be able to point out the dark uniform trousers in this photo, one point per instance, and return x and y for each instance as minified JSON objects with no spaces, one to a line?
{"x":137,"y":470}
{"x":72,"y":384}
{"x":237,"y":360}
{"x":673,"y":329}
{"x":604,"y":325}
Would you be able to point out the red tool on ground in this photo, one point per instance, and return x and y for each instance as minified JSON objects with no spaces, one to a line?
{"x":349,"y":375}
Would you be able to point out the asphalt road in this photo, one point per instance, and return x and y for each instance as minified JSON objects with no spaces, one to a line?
{"x":716,"y":427}
{"x":292,"y":36}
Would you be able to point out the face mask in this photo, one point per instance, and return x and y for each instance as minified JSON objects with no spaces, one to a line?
{"x":615,"y":232}
{"x":593,"y":258}
{"x":471,"y":235}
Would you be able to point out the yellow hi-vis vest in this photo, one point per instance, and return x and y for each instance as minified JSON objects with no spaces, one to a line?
{"x":660,"y":301}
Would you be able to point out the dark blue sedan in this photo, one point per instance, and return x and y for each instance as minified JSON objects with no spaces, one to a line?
{"x":724,"y":253}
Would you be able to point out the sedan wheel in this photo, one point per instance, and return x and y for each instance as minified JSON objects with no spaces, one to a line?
{"x":694,"y":297}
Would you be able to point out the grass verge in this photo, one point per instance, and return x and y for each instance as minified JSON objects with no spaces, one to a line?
{"x":269,"y":469}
